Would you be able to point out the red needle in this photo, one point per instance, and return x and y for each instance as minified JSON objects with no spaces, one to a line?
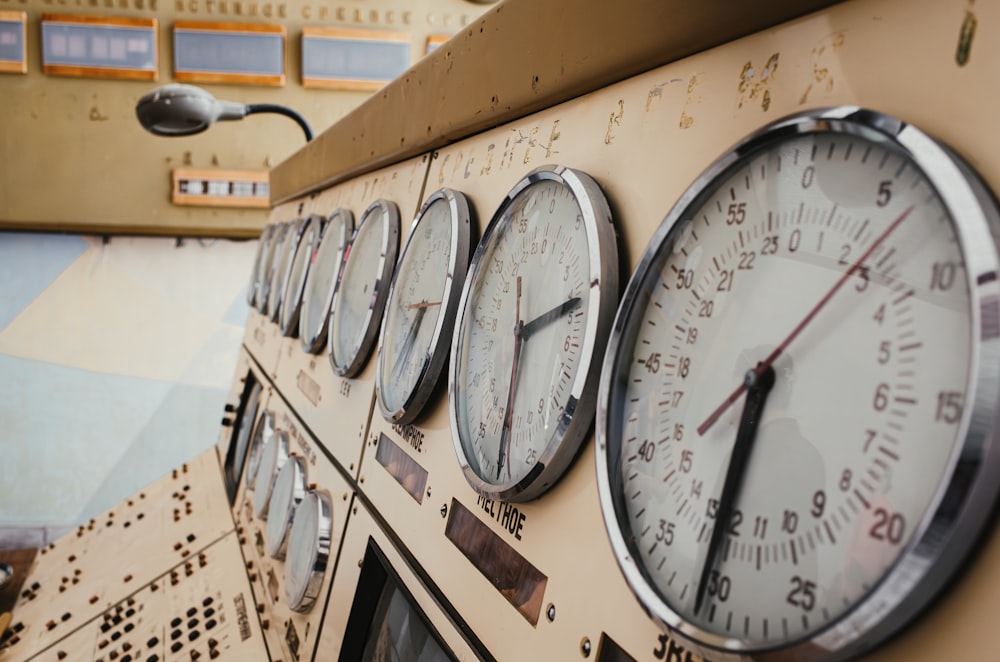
{"x":766,"y":363}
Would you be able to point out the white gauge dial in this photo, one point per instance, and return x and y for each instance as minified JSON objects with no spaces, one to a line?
{"x":272,"y":459}
{"x":308,"y":550}
{"x":535,"y":311}
{"x":317,"y":297}
{"x":420,"y":312}
{"x":791,"y":383}
{"x":258,"y":271}
{"x":282,"y":265}
{"x":361,"y":291}
{"x":298,"y":270}
{"x":266,"y":274}
{"x":289,"y":490}
{"x":262,"y":433}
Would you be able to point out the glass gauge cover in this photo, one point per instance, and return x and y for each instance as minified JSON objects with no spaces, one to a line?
{"x":282,"y":265}
{"x":361,"y":291}
{"x":262,"y":432}
{"x":272,"y":459}
{"x":533,"y":321}
{"x":420,"y":313}
{"x":244,"y":437}
{"x":796,"y":435}
{"x":317,"y":297}
{"x":289,"y":489}
{"x":303,"y":255}
{"x":266,"y":274}
{"x":308,"y":550}
{"x":257,"y":272}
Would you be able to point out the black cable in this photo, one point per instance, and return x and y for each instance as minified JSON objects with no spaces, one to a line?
{"x":281,"y":110}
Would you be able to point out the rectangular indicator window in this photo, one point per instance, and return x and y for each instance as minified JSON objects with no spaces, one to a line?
{"x":99,"y":46}
{"x":345,"y":59}
{"x":402,"y":467}
{"x":221,"y":188}
{"x":510,"y":573}
{"x":239,"y":53}
{"x":13,"y":54}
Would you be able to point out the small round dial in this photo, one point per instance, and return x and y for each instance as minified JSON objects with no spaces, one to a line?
{"x":317,"y":297}
{"x":796,"y":442}
{"x":258,"y":270}
{"x":263,"y":431}
{"x":534,"y":316}
{"x":272,"y":459}
{"x":266,"y":273}
{"x":289,"y":489}
{"x":420,"y":312}
{"x":281,"y":266}
{"x":308,"y":550}
{"x":361,"y":291}
{"x":302,"y":257}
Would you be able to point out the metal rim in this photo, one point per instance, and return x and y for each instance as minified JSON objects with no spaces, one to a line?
{"x":255,"y":271}
{"x":273,"y":458}
{"x":298,"y":270}
{"x":571,"y":430}
{"x":289,"y":489}
{"x":381,"y":217}
{"x":963,"y":502}
{"x":266,"y":275}
{"x":311,"y":544}
{"x":435,"y":354}
{"x":263,"y":431}
{"x":333,"y":244}
{"x":282,"y":266}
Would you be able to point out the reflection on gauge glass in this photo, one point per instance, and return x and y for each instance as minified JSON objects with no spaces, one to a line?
{"x":535,"y":313}
{"x":420,"y":312}
{"x":256,"y":273}
{"x":796,"y":446}
{"x":289,"y":489}
{"x":272,"y":459}
{"x":317,"y":297}
{"x":308,"y":550}
{"x":303,"y":256}
{"x":266,"y":274}
{"x":262,"y":433}
{"x":244,"y":429}
{"x":361,"y":291}
{"x":282,"y":266}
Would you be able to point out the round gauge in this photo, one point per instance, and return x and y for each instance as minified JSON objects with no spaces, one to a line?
{"x":535,"y":313}
{"x":281,"y":266}
{"x":263,"y":431}
{"x":266,"y":272}
{"x":317,"y":297}
{"x":289,"y":489}
{"x":257,"y":272}
{"x":420,"y":312}
{"x":796,"y":443}
{"x":236,"y":455}
{"x":303,"y":255}
{"x":362,"y":288}
{"x":272,"y":458}
{"x":308,"y":550}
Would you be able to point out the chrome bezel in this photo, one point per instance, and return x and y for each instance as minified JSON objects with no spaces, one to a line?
{"x":571,"y":430}
{"x":436,"y":352}
{"x":312,"y":543}
{"x":289,"y":490}
{"x":382,"y":216}
{"x":272,"y":459}
{"x":256,"y":274}
{"x":336,"y":237}
{"x":282,"y":266}
{"x":266,"y":275}
{"x":263,"y":432}
{"x":298,"y":270}
{"x":963,"y":502}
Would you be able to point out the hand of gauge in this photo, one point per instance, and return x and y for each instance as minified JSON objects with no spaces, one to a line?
{"x":758,"y":385}
{"x":508,"y":416}
{"x":766,"y":363}
{"x":403,"y":357}
{"x":532,"y":327}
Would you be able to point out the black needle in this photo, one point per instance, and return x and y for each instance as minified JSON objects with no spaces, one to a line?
{"x":534,"y":325}
{"x":758,"y":385}
{"x":508,"y":417}
{"x":408,"y":342}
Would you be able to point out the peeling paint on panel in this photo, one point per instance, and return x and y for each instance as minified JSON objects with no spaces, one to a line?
{"x":656,"y":92}
{"x":615,"y":119}
{"x":553,"y":137}
{"x":820,"y":61}
{"x":965,"y":38}
{"x":687,"y":121}
{"x":485,"y":170}
{"x":754,"y":84}
{"x":96,"y":116}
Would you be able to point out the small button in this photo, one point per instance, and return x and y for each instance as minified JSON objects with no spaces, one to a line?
{"x":153,"y":658}
{"x":191,"y":612}
{"x":175,"y":635}
{"x":193,"y":623}
{"x":207,"y":601}
{"x":209,"y":612}
{"x":115,"y":636}
{"x":210,"y":623}
{"x":194,"y":634}
{"x":177,"y":621}
{"x":153,"y":641}
{"x":176,"y":647}
{"x":105,"y":627}
{"x":128,"y":627}
{"x":130,"y":613}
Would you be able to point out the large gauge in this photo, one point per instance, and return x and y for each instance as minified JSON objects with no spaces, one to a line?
{"x":420,"y":313}
{"x":303,"y":254}
{"x":281,"y":266}
{"x":272,"y":459}
{"x":308,"y":550}
{"x":258,"y":271}
{"x":535,"y":312}
{"x":263,"y":431}
{"x":796,"y":441}
{"x":362,"y":288}
{"x":317,"y":296}
{"x":265,"y":272}
{"x":289,"y":490}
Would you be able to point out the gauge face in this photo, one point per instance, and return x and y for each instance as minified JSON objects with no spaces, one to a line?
{"x":289,"y":489}
{"x":244,"y":437}
{"x":263,"y":431}
{"x":257,"y":272}
{"x":308,"y":550}
{"x":361,"y":291}
{"x":420,"y":312}
{"x":298,"y":269}
{"x":266,"y":273}
{"x":792,"y":378}
{"x":534,"y":316}
{"x":281,"y":266}
{"x":317,"y":297}
{"x":272,"y":459}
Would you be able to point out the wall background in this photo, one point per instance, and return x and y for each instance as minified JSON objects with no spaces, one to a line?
{"x":116,"y":359}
